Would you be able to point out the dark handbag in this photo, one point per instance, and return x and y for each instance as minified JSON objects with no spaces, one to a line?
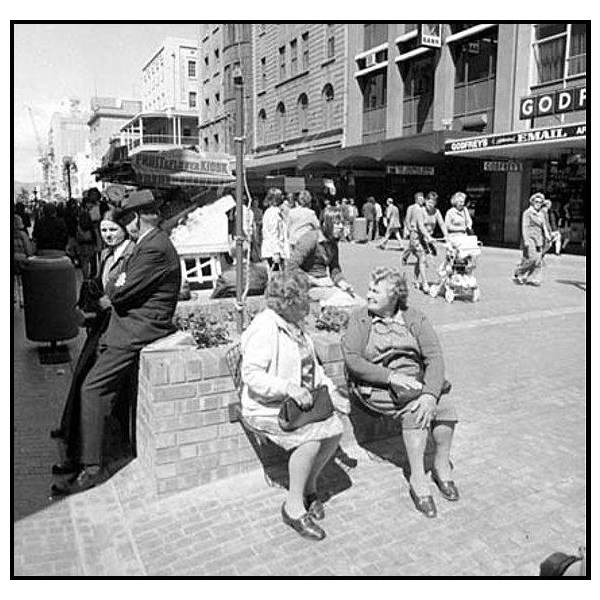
{"x":89,"y":294}
{"x":292,"y":417}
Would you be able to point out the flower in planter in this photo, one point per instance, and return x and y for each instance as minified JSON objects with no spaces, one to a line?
{"x":207,"y":331}
{"x":332,"y":319}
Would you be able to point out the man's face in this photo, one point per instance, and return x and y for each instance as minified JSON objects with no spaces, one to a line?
{"x":133,"y":228}
{"x":537,"y":205}
{"x":420,"y":200}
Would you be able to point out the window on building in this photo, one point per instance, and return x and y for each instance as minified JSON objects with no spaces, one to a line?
{"x":262,"y":127}
{"x":280,"y":112}
{"x":217,"y":97}
{"x":192,"y":98}
{"x":375,"y":34}
{"x":227,"y":83}
{"x":263,"y":73}
{"x":192,"y":69}
{"x":374,"y":90}
{"x":560,"y":50}
{"x":328,"y":105}
{"x":282,"y":63}
{"x":216,"y":54}
{"x":205,"y":143}
{"x":417,"y":102}
{"x":303,"y":113}
{"x":475,"y":81}
{"x":305,"y":52}
{"x":216,"y":142}
{"x":293,"y":57}
{"x":330,"y":37}
{"x":207,"y":102}
{"x":206,"y":61}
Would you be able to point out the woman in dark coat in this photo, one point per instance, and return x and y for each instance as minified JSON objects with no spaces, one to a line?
{"x":113,"y":259}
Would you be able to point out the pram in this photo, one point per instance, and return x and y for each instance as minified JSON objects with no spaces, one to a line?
{"x":456,"y":272}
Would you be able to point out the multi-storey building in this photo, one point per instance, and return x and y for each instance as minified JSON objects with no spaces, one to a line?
{"x":170,"y":78}
{"x":225,"y":48}
{"x":494,"y":110}
{"x":299,"y":92}
{"x":108,"y":116}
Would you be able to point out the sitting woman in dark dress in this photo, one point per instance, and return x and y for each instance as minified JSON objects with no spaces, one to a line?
{"x":396,"y":367}
{"x":113,"y":258}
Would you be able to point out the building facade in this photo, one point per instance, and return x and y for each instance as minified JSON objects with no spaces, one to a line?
{"x":170,"y":78}
{"x":107,"y":118}
{"x":421,"y":107}
{"x":225,"y":48}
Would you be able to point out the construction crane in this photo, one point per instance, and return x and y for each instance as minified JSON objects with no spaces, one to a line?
{"x":45,"y":158}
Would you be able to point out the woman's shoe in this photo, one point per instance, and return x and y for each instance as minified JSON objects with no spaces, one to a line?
{"x":447,"y":488}
{"x":424,"y":504}
{"x":314,"y":507}
{"x":305,"y":526}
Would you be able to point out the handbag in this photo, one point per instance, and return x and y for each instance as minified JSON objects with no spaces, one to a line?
{"x":292,"y":417}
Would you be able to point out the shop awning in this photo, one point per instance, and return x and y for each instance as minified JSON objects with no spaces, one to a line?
{"x":424,"y":148}
{"x":530,"y":144}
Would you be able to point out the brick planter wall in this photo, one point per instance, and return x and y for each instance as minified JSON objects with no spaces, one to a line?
{"x":184,"y":434}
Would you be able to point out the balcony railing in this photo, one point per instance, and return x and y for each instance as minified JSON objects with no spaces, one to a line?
{"x":159,"y":139}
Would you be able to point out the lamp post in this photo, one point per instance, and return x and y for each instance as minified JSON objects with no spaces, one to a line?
{"x":67,"y":162}
{"x":238,"y":81}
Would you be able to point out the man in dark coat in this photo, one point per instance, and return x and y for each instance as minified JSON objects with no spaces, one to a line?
{"x":143,"y":300}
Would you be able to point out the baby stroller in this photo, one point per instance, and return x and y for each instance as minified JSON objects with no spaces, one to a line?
{"x":456,"y":272}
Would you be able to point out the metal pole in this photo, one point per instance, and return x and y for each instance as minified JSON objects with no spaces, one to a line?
{"x":239,"y":176}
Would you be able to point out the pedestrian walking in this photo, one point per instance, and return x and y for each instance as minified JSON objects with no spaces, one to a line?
{"x":279,"y":362}
{"x":117,"y":249}
{"x":396,"y":368}
{"x":427,"y":220}
{"x":352,"y":214}
{"x":564,"y":223}
{"x":346,"y":220}
{"x":302,"y":218}
{"x":410,"y":227}
{"x":534,"y":232}
{"x":368,"y":211}
{"x":378,"y":219}
{"x":551,"y":220}
{"x":143,"y":300}
{"x":392,"y":215}
{"x":458,"y":220}
{"x":275,"y":242}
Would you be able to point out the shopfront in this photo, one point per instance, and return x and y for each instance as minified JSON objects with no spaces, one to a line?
{"x":547,"y":159}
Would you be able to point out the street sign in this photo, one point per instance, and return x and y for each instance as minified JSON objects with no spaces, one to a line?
{"x":430,"y":34}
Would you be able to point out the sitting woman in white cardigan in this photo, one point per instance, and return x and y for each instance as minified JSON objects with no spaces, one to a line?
{"x":279,"y":362}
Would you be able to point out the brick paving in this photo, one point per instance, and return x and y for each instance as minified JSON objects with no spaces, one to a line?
{"x":517,"y":362}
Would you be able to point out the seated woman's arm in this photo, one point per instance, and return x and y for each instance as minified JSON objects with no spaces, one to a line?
{"x":353,"y":345}
{"x":258,"y":349}
{"x":432,"y":356}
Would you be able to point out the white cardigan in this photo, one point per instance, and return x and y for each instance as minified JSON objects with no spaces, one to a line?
{"x":271,"y":359}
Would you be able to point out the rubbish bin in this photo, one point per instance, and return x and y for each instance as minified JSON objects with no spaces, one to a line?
{"x":50,"y":297}
{"x":360,"y":230}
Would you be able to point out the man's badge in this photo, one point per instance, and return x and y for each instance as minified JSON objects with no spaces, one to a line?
{"x":120,"y":282}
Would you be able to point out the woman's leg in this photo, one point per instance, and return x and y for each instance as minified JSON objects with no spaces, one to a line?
{"x":442,"y":433}
{"x":415,"y":441}
{"x":326,"y":452}
{"x":300,"y":466}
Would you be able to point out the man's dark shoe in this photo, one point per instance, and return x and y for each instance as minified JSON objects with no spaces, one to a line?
{"x":447,"y":488}
{"x":305,"y":526}
{"x":86,"y":479}
{"x":66,"y":468}
{"x":314,"y":507}
{"x":57,"y":433}
{"x":423,"y":504}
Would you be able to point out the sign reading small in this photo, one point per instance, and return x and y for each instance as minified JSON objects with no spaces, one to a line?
{"x":418,"y":170}
{"x":552,"y":103}
{"x":430,"y":34}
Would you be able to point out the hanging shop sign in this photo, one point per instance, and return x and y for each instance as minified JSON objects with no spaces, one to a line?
{"x":517,"y":138}
{"x":418,"y":170}
{"x":553,"y":103}
{"x":430,"y":34}
{"x":502,"y":166}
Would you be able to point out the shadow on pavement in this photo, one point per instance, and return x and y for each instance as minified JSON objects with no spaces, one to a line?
{"x":581,"y":285}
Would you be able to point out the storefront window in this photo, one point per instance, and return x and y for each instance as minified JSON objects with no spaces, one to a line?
{"x":418,"y":95}
{"x":560,"y":50}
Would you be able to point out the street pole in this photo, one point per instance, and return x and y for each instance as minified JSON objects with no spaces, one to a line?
{"x":239,"y":194}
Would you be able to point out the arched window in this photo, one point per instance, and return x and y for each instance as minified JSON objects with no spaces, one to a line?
{"x":262,"y":127}
{"x":281,"y":121}
{"x":328,"y":105}
{"x":303,"y":113}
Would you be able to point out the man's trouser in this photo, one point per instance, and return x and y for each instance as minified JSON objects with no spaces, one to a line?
{"x":100,"y":392}
{"x":371,"y":233}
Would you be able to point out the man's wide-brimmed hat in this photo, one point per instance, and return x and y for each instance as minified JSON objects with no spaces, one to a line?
{"x":141,"y":200}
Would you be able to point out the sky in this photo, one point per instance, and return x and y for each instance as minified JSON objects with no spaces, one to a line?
{"x":57,"y":61}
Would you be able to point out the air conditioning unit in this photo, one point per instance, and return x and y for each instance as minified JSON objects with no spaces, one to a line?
{"x":369,"y":60}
